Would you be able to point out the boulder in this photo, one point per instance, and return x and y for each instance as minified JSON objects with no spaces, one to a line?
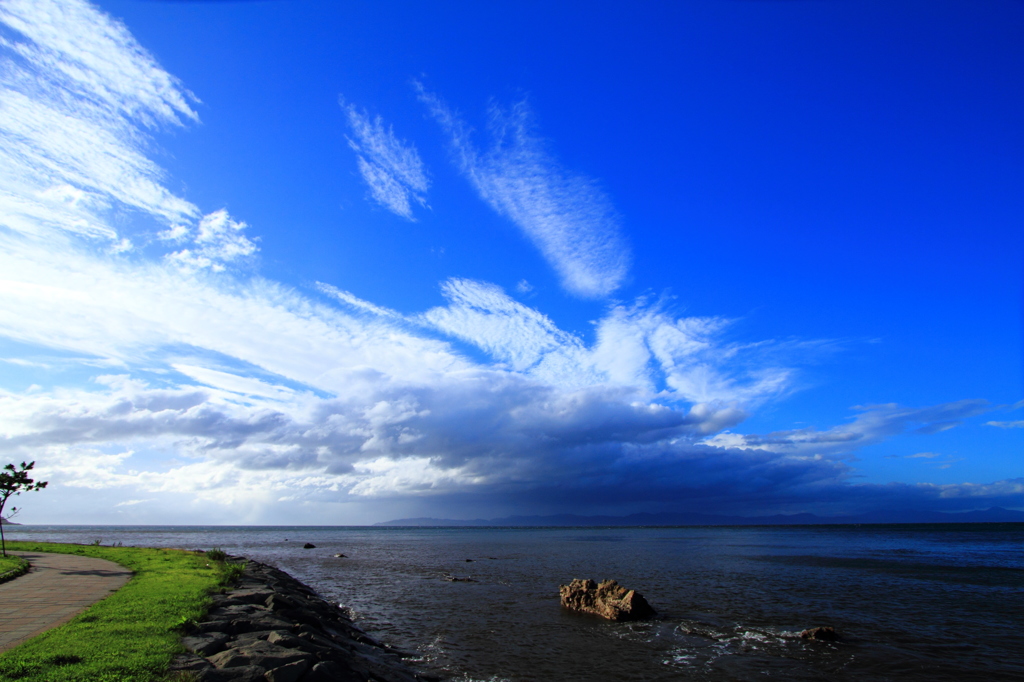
{"x":245,"y":673}
{"x":607,"y":599}
{"x":258,"y":653}
{"x":190,"y":662}
{"x":309,"y":545}
{"x":205,"y":644}
{"x":825,"y":634}
{"x":280,"y":602}
{"x":291,"y":672}
{"x":213,"y":626}
{"x":326,"y":671}
{"x":285,"y":639}
{"x":240,"y":597}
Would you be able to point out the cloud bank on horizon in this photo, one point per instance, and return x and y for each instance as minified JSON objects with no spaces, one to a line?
{"x":206,"y":382}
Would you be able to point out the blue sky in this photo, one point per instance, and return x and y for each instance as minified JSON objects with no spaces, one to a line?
{"x":299,"y":262}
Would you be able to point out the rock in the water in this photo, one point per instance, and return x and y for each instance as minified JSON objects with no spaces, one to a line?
{"x":309,"y":545}
{"x":826,"y":634}
{"x":607,"y":599}
{"x":339,"y":556}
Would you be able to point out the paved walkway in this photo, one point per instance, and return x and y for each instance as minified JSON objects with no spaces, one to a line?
{"x":56,"y":588}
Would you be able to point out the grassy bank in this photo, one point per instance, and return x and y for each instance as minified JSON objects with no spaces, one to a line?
{"x":132,"y":634}
{"x":11,"y":567}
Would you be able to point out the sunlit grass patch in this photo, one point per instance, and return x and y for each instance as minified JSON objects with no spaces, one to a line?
{"x":11,"y":567}
{"x":133,"y":633}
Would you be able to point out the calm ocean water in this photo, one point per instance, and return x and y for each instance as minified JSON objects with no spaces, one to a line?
{"x":924,"y":602}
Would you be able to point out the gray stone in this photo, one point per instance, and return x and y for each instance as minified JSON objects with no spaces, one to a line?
{"x":205,"y":644}
{"x":211,"y":626}
{"x":329,"y":671}
{"x":189,"y":662}
{"x":245,"y":673}
{"x":285,"y":639}
{"x":251,"y":637}
{"x":326,"y":645}
{"x":234,"y":610}
{"x":261,"y":623}
{"x":251,"y":596}
{"x":258,"y":653}
{"x":287,"y":673}
{"x":279,"y":602}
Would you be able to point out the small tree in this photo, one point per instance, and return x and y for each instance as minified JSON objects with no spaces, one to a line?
{"x":15,"y":481}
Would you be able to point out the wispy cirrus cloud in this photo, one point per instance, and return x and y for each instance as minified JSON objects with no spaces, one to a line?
{"x":391,"y":167}
{"x":567,"y":216}
{"x":873,"y":424}
{"x":1019,"y":424}
{"x":78,"y":94}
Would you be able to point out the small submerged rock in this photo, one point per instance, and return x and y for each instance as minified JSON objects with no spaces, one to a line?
{"x":456,"y":579}
{"x":607,"y":599}
{"x":823,"y":634}
{"x":339,"y":555}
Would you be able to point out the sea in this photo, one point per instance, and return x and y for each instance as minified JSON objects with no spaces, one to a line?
{"x":926,"y":602}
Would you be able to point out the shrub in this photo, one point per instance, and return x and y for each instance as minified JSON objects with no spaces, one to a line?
{"x":216,"y":554}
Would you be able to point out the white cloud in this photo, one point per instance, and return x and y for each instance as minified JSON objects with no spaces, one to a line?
{"x":510,"y":332}
{"x":354,"y":302}
{"x":1007,"y":425}
{"x":566,"y":215}
{"x":392,"y":168}
{"x":75,"y":87}
{"x":234,"y":383}
{"x":873,"y":424}
{"x":219,"y":241}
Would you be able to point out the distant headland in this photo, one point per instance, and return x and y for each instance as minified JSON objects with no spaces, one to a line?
{"x":991,"y":515}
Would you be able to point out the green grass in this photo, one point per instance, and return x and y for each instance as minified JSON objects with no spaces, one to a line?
{"x":133,"y":633}
{"x":11,"y":567}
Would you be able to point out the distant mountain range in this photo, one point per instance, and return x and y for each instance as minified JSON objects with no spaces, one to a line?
{"x":991,"y":515}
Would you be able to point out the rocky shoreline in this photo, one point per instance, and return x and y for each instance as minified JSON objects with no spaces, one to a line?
{"x":272,"y":628}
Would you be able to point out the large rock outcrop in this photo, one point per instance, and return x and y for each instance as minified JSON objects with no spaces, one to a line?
{"x":607,"y":599}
